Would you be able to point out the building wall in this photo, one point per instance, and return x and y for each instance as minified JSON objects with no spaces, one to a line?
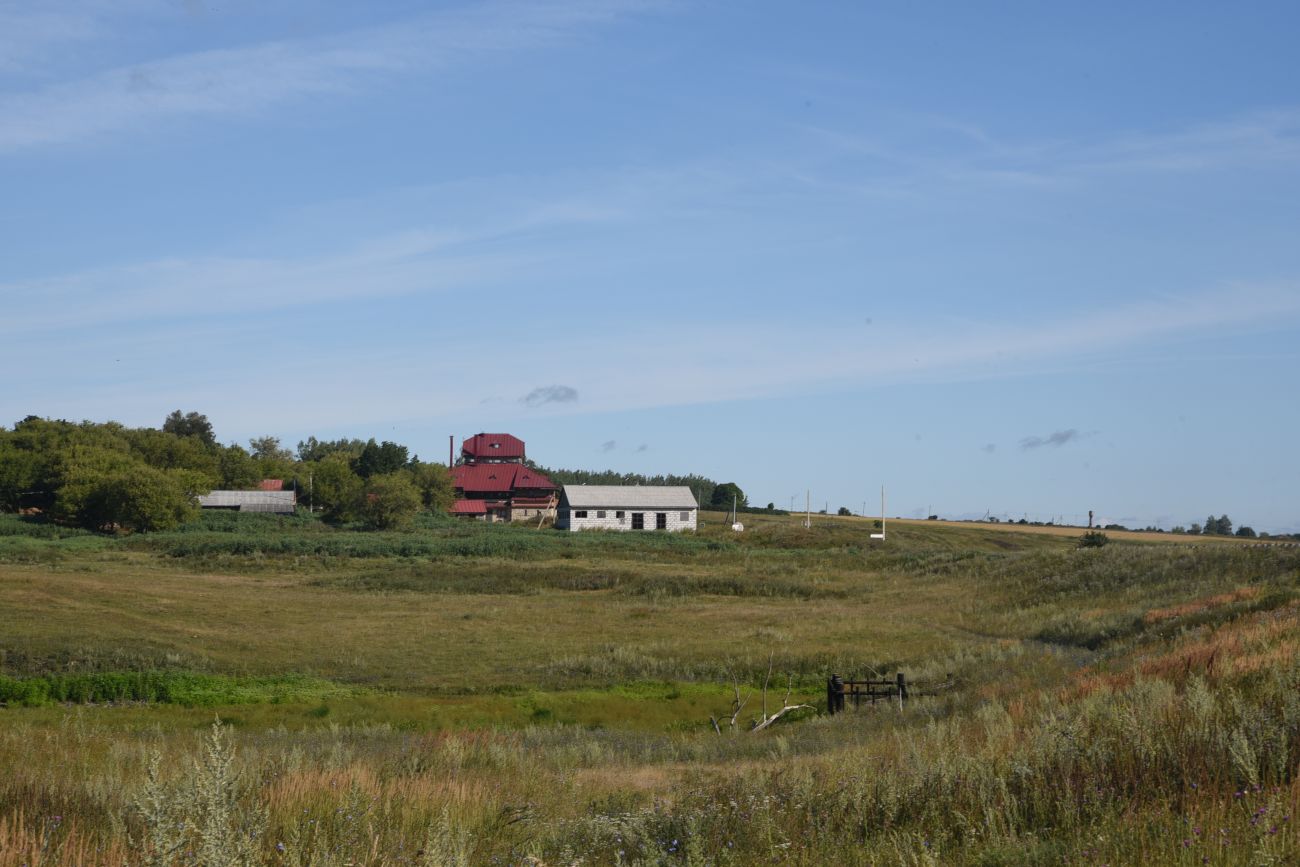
{"x":565,"y":520}
{"x":530,"y":513}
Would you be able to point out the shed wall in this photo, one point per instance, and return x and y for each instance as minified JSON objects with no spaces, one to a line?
{"x":565,"y":520}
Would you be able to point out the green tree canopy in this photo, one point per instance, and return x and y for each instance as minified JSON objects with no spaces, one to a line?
{"x":1220,"y":526}
{"x":726,"y":493}
{"x":433,"y":481}
{"x":312,"y":449}
{"x":19,"y":469}
{"x":190,"y":424}
{"x":334,"y":488}
{"x":380,"y":459}
{"x":701,"y":486}
{"x":237,"y":469}
{"x":106,"y":491}
{"x":268,"y":448}
{"x":388,"y":501}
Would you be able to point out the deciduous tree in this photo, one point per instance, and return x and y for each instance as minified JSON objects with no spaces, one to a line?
{"x":334,"y":487}
{"x":190,"y":424}
{"x":724,"y":493}
{"x":388,"y":501}
{"x":433,"y":481}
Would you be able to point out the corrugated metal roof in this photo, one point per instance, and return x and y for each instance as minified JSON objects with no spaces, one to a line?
{"x":490,"y":446}
{"x":629,"y":497}
{"x":469,"y":507}
{"x":532,"y":501}
{"x":499,"y":478}
{"x":249,"y":501}
{"x":271,"y":485}
{"x":274,"y":508}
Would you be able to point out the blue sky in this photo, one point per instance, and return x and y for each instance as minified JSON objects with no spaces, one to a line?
{"x":1022,"y":258}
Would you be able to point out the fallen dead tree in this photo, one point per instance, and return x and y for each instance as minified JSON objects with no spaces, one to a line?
{"x":766,"y":720}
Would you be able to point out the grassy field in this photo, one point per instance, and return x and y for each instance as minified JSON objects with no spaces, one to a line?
{"x":1060,"y":530}
{"x":470,"y":694}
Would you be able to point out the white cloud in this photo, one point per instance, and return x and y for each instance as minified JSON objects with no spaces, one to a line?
{"x":224,"y":369}
{"x":896,"y":166}
{"x":253,"y":78}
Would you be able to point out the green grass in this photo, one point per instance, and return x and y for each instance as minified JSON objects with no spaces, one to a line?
{"x":164,"y":687}
{"x":489,"y":694}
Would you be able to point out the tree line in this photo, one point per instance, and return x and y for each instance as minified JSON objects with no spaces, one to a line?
{"x":708,"y":492}
{"x":106,"y":476}
{"x":1220,"y":526}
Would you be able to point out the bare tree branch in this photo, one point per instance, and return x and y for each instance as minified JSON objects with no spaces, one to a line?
{"x":776,"y":716}
{"x":766,"y":681}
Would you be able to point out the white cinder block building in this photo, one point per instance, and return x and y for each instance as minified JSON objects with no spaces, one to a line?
{"x":626,"y":507}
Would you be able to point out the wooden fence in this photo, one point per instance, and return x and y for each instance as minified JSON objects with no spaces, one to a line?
{"x":840,"y":692}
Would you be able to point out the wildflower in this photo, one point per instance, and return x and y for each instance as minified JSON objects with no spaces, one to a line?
{"x":279,"y":847}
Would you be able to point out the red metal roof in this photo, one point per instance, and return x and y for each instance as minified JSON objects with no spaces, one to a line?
{"x":532,"y":502}
{"x":492,"y":446}
{"x":498,"y":478}
{"x":530,"y":479}
{"x":271,"y":485}
{"x":469,"y":507}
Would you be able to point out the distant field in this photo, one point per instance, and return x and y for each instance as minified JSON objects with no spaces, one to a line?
{"x":471,"y":694}
{"x":1126,"y":535}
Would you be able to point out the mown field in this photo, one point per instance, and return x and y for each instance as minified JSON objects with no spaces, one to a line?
{"x":468,"y":694}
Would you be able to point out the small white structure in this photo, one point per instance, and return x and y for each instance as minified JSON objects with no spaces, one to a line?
{"x":626,"y":507}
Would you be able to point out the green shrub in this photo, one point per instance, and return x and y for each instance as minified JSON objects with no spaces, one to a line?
{"x":1093,"y":539}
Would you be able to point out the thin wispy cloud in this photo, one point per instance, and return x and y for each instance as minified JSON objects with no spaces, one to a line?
{"x":989,"y":448}
{"x":1251,"y":139}
{"x":549,"y":394}
{"x":1055,"y":439}
{"x":417,"y":260}
{"x":29,"y":35}
{"x":608,"y":445}
{"x":240,"y":80}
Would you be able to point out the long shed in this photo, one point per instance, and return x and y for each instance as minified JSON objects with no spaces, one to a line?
{"x":627,"y":507}
{"x":278,"y":502}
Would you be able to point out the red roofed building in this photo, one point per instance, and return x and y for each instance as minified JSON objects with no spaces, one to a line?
{"x":493,"y":483}
{"x":492,"y":448}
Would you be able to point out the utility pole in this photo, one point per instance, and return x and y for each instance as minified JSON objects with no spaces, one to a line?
{"x":881,"y":534}
{"x":807,"y":518}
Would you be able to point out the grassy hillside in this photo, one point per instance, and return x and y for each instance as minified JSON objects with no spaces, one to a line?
{"x":462,"y":693}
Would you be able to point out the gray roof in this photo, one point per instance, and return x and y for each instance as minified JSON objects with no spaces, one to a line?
{"x":629,"y":497}
{"x":250,"y":501}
